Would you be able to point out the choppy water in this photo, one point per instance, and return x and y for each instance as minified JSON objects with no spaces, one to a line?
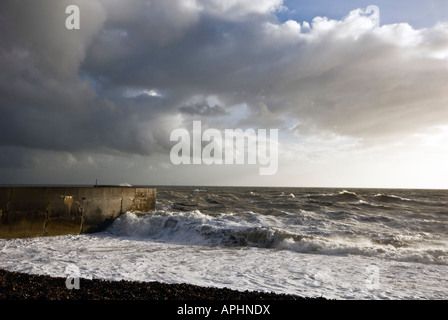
{"x":364,"y":244}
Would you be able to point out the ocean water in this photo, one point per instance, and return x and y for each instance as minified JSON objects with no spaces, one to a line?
{"x":342,"y":244}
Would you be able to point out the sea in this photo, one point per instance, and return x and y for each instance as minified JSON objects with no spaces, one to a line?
{"x":312,"y":242}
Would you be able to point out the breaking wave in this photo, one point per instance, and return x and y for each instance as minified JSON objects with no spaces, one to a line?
{"x":254,"y":230}
{"x":342,"y":196}
{"x":389,"y":198}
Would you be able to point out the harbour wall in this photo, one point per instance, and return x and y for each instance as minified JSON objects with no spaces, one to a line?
{"x":50,"y":211}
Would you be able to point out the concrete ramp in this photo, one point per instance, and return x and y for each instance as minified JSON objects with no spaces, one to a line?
{"x":49,"y":211}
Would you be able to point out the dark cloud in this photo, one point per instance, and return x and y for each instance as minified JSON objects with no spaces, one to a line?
{"x":137,"y":70}
{"x":203,"y":109}
{"x":12,"y":158}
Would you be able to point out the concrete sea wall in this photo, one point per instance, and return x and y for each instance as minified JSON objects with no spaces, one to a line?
{"x":49,"y":211}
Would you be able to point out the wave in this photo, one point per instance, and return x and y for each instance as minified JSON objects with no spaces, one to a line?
{"x":377,"y":201}
{"x":226,"y":230}
{"x":289,"y":195}
{"x":196,"y":228}
{"x":342,"y":196}
{"x":389,"y":198}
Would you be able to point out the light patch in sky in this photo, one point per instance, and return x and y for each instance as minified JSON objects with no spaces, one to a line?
{"x":132,"y":93}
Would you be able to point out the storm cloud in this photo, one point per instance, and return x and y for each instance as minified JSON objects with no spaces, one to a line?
{"x":136,"y":70}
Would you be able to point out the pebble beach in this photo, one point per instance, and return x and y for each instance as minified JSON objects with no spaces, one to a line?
{"x":21,"y":286}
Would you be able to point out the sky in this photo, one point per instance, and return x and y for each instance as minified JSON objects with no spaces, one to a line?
{"x":358,"y":96}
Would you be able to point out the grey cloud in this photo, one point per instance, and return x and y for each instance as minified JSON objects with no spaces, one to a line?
{"x":203,"y":109}
{"x":14,"y":158}
{"x":37,"y":37}
{"x":65,"y":90}
{"x":373,"y":86}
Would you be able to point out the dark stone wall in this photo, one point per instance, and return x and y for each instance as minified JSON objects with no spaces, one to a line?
{"x":49,"y":211}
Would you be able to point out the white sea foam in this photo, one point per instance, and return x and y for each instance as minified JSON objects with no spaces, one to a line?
{"x":244,"y":268}
{"x":252,"y":229}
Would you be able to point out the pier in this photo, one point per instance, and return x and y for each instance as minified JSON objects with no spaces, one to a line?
{"x":50,"y":211}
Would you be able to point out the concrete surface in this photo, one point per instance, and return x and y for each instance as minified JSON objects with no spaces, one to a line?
{"x":49,"y":211}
